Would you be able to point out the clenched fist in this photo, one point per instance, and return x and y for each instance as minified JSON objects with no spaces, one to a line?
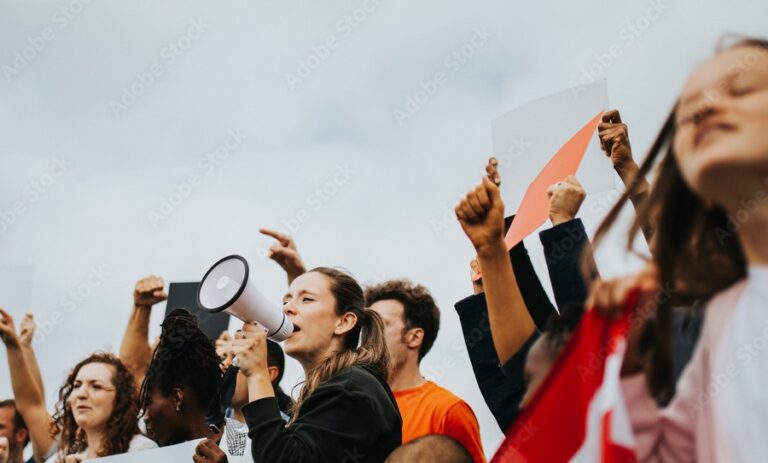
{"x":149,"y":291}
{"x":565,"y":199}
{"x":481,"y":212}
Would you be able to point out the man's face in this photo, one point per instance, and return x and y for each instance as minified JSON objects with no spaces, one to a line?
{"x":16,"y":437}
{"x":391,"y":312}
{"x":537,"y":366}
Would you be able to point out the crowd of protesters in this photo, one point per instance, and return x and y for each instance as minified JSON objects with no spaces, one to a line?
{"x":699,"y":198}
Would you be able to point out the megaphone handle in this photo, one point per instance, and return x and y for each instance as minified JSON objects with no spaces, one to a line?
{"x":235,"y":360}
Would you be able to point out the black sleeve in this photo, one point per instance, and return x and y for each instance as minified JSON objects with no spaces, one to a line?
{"x":501,"y":392}
{"x":563,"y":248}
{"x":534,"y":296}
{"x":333,"y":422}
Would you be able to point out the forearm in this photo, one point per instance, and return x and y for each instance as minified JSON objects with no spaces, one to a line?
{"x":511,"y":324}
{"x":260,"y":387}
{"x":629,"y":173}
{"x":134,"y":349}
{"x":31,"y":358}
{"x":30,"y":402}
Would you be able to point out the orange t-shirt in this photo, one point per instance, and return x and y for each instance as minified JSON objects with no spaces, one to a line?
{"x":430,"y":409}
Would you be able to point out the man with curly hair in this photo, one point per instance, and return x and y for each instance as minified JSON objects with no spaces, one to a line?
{"x":412,"y":320}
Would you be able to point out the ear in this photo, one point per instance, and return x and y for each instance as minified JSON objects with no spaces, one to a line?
{"x":273,"y":372}
{"x":21,"y":435}
{"x":345,"y":324}
{"x":177,"y":398}
{"x":414,"y":338}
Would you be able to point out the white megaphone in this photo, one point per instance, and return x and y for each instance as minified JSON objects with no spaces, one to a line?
{"x":225,"y":287}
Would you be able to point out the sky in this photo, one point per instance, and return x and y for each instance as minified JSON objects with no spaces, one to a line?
{"x":143,"y":138}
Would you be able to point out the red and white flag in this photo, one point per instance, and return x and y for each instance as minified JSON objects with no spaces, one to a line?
{"x":578,"y":414}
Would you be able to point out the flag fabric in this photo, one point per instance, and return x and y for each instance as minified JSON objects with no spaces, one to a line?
{"x":578,"y":414}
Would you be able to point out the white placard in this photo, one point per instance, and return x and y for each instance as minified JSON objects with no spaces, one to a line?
{"x":527,"y":137}
{"x":170,"y":454}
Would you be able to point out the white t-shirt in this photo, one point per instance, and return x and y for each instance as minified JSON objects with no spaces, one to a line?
{"x":741,"y":372}
{"x":138,"y":443}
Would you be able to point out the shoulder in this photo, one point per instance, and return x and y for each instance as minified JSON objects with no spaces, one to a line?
{"x":141,"y":442}
{"x":720,"y":310}
{"x":440,"y":394}
{"x":355,"y":377}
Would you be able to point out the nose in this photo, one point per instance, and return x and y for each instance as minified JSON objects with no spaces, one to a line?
{"x":289,"y":308}
{"x":80,"y":392}
{"x":703,"y":113}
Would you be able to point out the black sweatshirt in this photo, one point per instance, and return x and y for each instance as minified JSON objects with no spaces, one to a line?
{"x":352,"y":417}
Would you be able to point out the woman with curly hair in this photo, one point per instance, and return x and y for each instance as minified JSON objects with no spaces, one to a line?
{"x":96,"y":414}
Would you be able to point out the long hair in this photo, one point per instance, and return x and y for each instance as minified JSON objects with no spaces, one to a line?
{"x":122,"y":424}
{"x":364,"y":345}
{"x":184,"y":358}
{"x":695,"y":245}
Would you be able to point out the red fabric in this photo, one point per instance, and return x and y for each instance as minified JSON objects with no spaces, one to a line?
{"x":553,"y":426}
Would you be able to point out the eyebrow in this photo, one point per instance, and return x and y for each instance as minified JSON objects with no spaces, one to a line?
{"x":303,"y":291}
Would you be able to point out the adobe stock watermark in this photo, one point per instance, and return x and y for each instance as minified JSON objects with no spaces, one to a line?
{"x":206,"y":165}
{"x":33,"y":191}
{"x":68,"y":303}
{"x":36,"y":44}
{"x":628,"y":36}
{"x":452,"y":63}
{"x":314,"y":202}
{"x":320,"y":52}
{"x":518,"y":147}
{"x":145,"y":79}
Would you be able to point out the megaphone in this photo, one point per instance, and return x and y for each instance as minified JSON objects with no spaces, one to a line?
{"x":225,"y":287}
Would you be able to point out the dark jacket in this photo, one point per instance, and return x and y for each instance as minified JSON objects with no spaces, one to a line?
{"x":352,"y":417}
{"x":503,"y":386}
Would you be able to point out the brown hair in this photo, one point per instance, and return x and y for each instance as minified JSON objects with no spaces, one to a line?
{"x":419,"y":308}
{"x":364,"y":345}
{"x":122,"y":424}
{"x":695,"y":247}
{"x":18,"y":420}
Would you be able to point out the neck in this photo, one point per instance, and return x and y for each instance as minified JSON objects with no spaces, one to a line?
{"x":308,"y":363}
{"x":95,"y":441}
{"x":406,"y":376}
{"x":16,"y":455}
{"x":199,"y":428}
{"x":751,"y":226}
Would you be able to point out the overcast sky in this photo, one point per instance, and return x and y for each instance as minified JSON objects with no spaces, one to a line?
{"x":143,"y":137}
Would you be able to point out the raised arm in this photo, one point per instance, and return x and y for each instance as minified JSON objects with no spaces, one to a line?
{"x":481,"y":215}
{"x":26,"y":336}
{"x":27,"y":395}
{"x":284,"y":252}
{"x":614,"y":139}
{"x":566,"y":242}
{"x":135,"y":352}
